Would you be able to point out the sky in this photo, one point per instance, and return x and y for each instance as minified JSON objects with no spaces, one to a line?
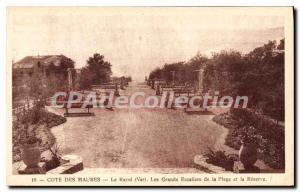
{"x":137,"y":40}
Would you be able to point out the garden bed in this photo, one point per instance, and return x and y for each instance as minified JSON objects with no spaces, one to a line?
{"x":271,"y":134}
{"x":36,"y":122}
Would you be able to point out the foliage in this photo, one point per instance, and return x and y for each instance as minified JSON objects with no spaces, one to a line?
{"x":223,"y":73}
{"x":156,"y":74}
{"x":28,"y":126}
{"x":34,"y":115}
{"x":184,"y":72}
{"x":31,"y":140}
{"x":219,"y":158}
{"x":232,"y":73}
{"x":252,"y":127}
{"x":55,"y":159}
{"x":38,"y":115}
{"x":258,"y":75}
{"x":97,"y":71}
{"x":265,"y":67}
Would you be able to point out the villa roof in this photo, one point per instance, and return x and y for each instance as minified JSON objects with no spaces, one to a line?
{"x":45,"y":60}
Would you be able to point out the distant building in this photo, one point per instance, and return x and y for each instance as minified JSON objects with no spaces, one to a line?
{"x":48,"y":66}
{"x":29,"y":63}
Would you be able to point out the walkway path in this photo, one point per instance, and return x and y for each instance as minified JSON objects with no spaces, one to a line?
{"x":139,"y":138}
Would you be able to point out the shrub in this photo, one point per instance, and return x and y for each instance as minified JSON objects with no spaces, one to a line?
{"x":219,"y":158}
{"x":251,"y":127}
{"x":32,"y":140}
{"x":24,"y":129}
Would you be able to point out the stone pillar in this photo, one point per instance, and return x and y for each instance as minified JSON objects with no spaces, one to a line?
{"x":152,"y":84}
{"x":70,"y":78}
{"x":173,"y":77}
{"x":122,"y":83}
{"x":200,"y":80}
{"x":117,"y":90}
{"x":158,"y":89}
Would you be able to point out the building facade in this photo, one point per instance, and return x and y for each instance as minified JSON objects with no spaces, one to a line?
{"x":48,"y":70}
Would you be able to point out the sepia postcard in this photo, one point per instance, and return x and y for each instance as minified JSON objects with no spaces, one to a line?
{"x":150,"y":96}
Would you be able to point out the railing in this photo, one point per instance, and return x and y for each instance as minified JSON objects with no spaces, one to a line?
{"x":22,"y":107}
{"x":177,"y":89}
{"x":106,"y":88}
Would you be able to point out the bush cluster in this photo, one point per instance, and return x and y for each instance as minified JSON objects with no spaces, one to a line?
{"x":267,"y":133}
{"x":24,"y":129}
{"x":219,"y":158}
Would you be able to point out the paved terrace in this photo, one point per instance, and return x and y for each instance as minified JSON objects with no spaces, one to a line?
{"x":139,"y":138}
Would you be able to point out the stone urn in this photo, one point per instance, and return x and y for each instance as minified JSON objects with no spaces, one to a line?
{"x":248,"y":155}
{"x":31,"y":154}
